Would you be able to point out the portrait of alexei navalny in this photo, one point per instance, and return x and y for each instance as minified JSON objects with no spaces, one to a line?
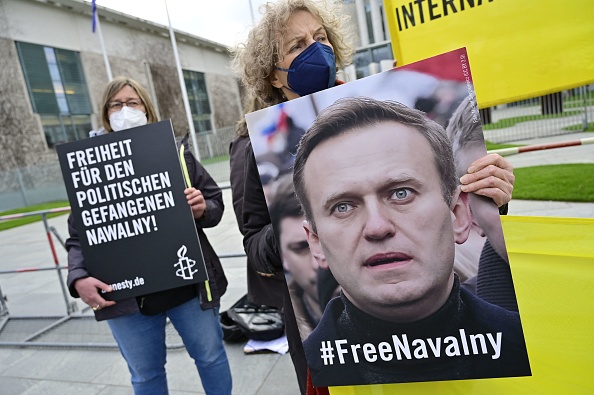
{"x":384,"y":211}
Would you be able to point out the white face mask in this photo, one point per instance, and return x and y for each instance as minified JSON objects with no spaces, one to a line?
{"x":127,"y":118}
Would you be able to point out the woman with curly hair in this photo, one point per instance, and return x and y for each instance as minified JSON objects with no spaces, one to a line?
{"x":287,"y":28}
{"x":294,"y":51}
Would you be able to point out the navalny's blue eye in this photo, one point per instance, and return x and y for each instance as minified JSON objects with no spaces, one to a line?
{"x":400,"y":193}
{"x":341,"y":208}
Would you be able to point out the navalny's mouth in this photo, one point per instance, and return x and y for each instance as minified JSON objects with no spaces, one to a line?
{"x":387,"y":259}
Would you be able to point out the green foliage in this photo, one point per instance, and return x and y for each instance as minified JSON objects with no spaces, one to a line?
{"x":8,"y":224}
{"x":577,"y":103}
{"x":568,"y":182}
{"x":492,"y":146}
{"x":509,"y":122}
{"x":215,"y":159}
{"x":577,"y":100}
{"x":580,"y":127}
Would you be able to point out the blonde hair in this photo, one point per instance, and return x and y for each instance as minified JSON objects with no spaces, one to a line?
{"x":255,"y":59}
{"x":251,"y":104}
{"x":114,"y":87}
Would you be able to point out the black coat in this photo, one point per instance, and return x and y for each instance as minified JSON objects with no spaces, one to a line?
{"x":262,"y":249}
{"x":261,"y":290}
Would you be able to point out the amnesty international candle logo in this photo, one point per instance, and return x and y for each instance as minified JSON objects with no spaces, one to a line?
{"x":185,"y":265}
{"x":126,"y":191}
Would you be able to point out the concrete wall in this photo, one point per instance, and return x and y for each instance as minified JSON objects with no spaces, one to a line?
{"x":22,"y":140}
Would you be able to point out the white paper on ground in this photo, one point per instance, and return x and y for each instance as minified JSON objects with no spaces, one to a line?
{"x":279,"y":345}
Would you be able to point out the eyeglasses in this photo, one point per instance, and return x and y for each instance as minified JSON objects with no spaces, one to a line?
{"x":117,"y":105}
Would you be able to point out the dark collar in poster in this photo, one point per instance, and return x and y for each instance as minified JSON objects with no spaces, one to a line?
{"x":137,"y":231}
{"x":494,"y":282}
{"x":462,"y":316}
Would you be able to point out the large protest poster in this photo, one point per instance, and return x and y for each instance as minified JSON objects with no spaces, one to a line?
{"x":520,"y":49}
{"x":135,"y":226}
{"x":373,"y":267}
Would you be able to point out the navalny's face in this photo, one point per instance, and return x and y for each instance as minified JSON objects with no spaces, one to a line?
{"x":382,"y":224}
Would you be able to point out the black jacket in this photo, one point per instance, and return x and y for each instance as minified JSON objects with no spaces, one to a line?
{"x":258,"y":240}
{"x":261,"y":290}
{"x":262,"y":249}
{"x":494,"y":282}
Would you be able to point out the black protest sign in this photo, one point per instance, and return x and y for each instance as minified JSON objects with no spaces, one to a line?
{"x":136,"y":229}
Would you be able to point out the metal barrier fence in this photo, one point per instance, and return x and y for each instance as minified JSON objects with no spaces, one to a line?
{"x":566,"y":112}
{"x":74,"y":329}
{"x":48,"y":231}
{"x":32,"y":185}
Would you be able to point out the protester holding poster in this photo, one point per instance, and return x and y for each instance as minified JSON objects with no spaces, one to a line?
{"x":256,"y":61}
{"x":294,"y":51}
{"x":138,"y":324}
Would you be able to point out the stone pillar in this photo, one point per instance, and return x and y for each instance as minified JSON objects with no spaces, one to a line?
{"x":362,"y":22}
{"x":376,"y":21}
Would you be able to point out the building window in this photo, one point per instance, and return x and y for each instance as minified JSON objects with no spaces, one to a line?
{"x":58,"y":91}
{"x":198,"y":98}
{"x":373,"y":53}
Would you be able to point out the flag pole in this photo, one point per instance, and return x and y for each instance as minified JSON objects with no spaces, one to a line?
{"x":96,"y":22}
{"x":252,"y":13}
{"x":183,"y":86}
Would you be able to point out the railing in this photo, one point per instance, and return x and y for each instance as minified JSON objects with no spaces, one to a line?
{"x":48,"y":231}
{"x":567,"y":112}
{"x":560,"y":113}
{"x":74,"y":325}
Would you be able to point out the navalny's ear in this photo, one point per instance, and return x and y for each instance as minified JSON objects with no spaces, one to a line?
{"x":461,"y":217}
{"x":314,"y":245}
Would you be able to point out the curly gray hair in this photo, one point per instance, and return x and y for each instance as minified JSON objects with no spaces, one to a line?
{"x":255,"y":59}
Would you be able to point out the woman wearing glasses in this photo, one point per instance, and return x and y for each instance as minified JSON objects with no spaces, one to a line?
{"x":138,"y":324}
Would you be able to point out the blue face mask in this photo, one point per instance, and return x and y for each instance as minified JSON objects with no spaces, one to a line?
{"x":312,"y":70}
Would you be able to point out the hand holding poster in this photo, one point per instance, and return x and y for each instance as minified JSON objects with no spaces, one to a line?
{"x":377,"y":181}
{"x":135,"y":226}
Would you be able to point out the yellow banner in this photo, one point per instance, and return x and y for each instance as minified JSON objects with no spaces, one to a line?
{"x":552,"y":261}
{"x":517,"y":48}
